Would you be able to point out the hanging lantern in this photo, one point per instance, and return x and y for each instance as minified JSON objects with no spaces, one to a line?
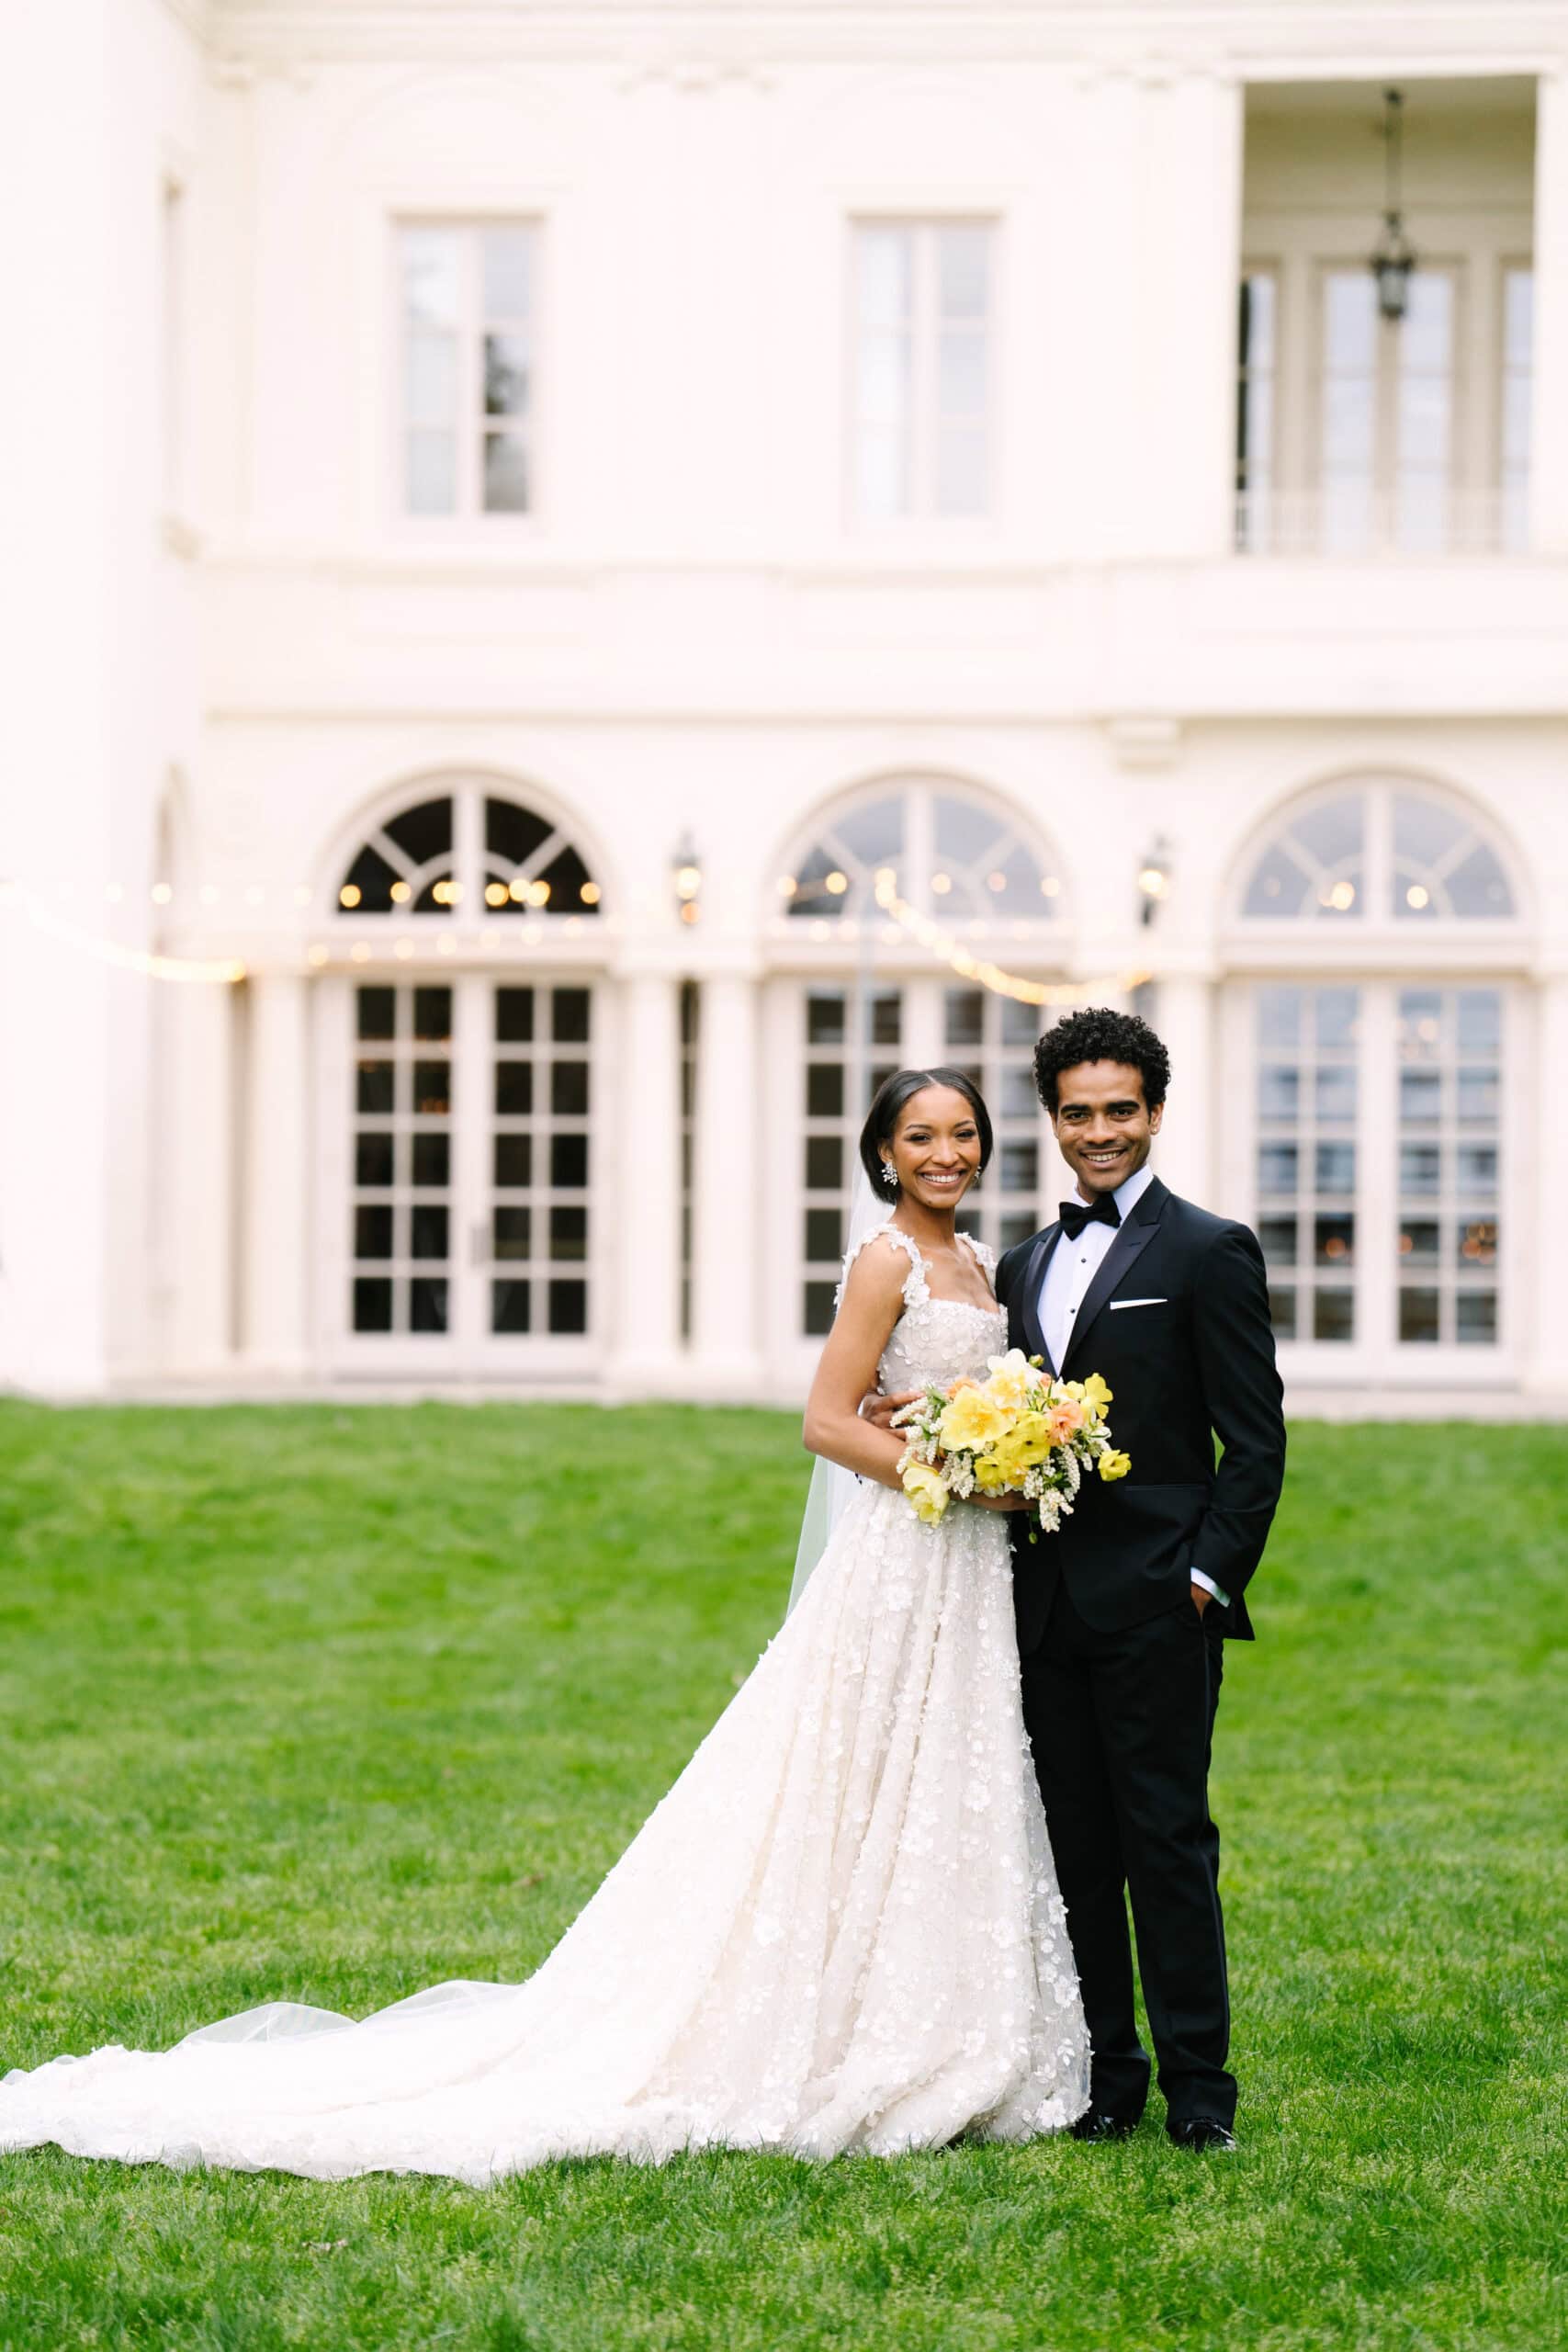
{"x":1394,"y":256}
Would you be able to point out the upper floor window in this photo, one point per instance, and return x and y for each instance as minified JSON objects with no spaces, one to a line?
{"x":1384,"y":851}
{"x":1258,"y":360}
{"x":468,"y":848}
{"x":1386,"y":427}
{"x":1514,"y":441}
{"x":467,"y":307}
{"x":920,"y":422}
{"x":1361,"y":436}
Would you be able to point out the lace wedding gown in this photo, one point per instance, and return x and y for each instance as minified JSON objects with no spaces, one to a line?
{"x":840,"y":1929}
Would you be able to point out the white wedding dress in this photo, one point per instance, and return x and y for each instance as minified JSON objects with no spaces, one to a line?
{"x":840,"y":1929}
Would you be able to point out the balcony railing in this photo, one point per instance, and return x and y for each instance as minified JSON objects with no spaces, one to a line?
{"x":1351,"y":522}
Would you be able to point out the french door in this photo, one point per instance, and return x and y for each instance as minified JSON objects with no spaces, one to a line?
{"x":1367,"y":1148}
{"x":460,"y":1205}
{"x":848,"y":1035}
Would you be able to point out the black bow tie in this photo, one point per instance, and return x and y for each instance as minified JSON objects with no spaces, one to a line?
{"x":1101,"y":1210}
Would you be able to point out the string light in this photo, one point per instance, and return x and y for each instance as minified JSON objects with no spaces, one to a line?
{"x":212,"y":969}
{"x":953,"y":952}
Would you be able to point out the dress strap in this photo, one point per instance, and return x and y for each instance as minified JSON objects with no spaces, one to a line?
{"x":985,"y":1257}
{"x":917,"y":1290}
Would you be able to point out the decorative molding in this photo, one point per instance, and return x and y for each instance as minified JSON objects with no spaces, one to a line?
{"x":1143,"y":743}
{"x":706,"y":42}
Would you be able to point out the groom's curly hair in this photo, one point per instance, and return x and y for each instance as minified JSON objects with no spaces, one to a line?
{"x":1100,"y":1035}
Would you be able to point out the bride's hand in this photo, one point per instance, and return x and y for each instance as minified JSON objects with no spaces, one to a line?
{"x":1012,"y":1501}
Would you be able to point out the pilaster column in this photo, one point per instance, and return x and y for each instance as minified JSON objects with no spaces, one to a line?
{"x":1186,"y":258}
{"x":1184,"y":1152}
{"x":728,"y":1235}
{"x":1549,"y":399}
{"x":277,"y":1175}
{"x":647,"y":1345}
{"x":195,"y":1177}
{"x":1536,"y":1263}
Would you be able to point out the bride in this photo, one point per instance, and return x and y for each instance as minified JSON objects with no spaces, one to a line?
{"x":840,"y":1929}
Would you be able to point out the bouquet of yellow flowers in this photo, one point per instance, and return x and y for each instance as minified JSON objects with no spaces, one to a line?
{"x":1017,"y":1431}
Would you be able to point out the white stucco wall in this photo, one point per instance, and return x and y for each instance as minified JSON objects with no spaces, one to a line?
{"x":690,"y":635}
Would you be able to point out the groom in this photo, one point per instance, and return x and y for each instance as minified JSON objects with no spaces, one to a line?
{"x":1122,"y":1616}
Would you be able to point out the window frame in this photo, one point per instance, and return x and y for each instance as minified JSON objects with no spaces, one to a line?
{"x":921,"y":515}
{"x":469,"y":517}
{"x":1249,"y":539}
{"x":1376,"y":920}
{"x":1512,"y":540}
{"x":1382,"y":538}
{"x":1376,"y":1357}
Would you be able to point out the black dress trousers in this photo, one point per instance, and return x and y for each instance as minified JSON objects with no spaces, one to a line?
{"x":1122,"y":1723}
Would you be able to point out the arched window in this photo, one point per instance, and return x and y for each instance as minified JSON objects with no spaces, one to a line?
{"x":1377,"y":1132}
{"x":1377,"y":852}
{"x":874,"y":994}
{"x":467,"y":847}
{"x":950,"y":853}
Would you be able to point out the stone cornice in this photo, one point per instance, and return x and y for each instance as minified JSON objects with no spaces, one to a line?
{"x":1274,"y":38}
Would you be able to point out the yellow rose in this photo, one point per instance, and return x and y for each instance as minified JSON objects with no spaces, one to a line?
{"x":969,"y":1419}
{"x":926,"y":1491}
{"x":1115,"y":1465}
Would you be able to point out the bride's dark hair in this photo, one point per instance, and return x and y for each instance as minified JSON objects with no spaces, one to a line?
{"x":882,"y":1119}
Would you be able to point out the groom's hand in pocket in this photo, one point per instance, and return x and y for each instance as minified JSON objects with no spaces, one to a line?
{"x":879,"y":1411}
{"x":1202,"y":1597}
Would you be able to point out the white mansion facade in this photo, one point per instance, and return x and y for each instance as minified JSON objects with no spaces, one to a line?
{"x":588,"y":578}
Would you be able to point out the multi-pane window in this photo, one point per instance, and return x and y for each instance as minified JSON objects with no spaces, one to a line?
{"x":400,"y":1208}
{"x":468,"y":853}
{"x":1257,"y":362}
{"x":1382,"y":850}
{"x":468,"y":309}
{"x":852,"y":1040}
{"x":853,"y":1037}
{"x":922,"y":312}
{"x":948,"y":855}
{"x":1383,"y":1236}
{"x":1308,"y":1077}
{"x":1386,"y":427}
{"x":541,"y":1140}
{"x":992,"y":1038}
{"x":1518,"y":356}
{"x":1449,"y":1047}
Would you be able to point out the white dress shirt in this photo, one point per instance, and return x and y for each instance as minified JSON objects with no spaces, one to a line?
{"x":1071,"y":1268}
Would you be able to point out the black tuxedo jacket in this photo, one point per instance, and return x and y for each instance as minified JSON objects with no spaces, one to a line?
{"x":1192,"y":1360}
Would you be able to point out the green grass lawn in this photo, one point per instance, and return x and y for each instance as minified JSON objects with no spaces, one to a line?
{"x":331,"y":1703}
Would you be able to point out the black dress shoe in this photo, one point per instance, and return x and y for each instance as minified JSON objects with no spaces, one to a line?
{"x":1201,"y":2131}
{"x":1100,"y":2124}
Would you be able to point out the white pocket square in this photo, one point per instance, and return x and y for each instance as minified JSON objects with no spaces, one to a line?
{"x":1138,"y":1302}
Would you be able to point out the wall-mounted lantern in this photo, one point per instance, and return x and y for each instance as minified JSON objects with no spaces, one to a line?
{"x":687,"y":875}
{"x":1154,"y":879}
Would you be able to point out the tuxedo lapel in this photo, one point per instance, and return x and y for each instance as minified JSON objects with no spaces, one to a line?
{"x":1035,"y":1268}
{"x":1132,"y":1235}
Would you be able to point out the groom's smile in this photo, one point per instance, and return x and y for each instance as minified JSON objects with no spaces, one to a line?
{"x":1104,"y":1129}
